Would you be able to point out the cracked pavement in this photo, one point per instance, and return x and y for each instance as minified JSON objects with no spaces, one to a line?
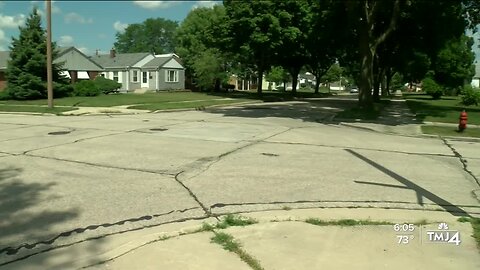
{"x":119,"y":173}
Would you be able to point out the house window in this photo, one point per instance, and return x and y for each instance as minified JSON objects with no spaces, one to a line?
{"x":145,"y":76}
{"x":172,"y":76}
{"x":135,"y":76}
{"x":115,"y":76}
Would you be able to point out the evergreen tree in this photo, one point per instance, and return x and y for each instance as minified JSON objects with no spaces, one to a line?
{"x":27,"y":68}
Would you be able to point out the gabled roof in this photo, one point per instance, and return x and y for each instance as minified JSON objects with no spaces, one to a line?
{"x":157,"y":62}
{"x":64,"y":50}
{"x":121,"y":60}
{"x":5,"y":56}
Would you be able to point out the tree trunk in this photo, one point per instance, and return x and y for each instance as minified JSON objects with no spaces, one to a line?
{"x":217,"y":85}
{"x":317,"y":85}
{"x":388,"y":78}
{"x":377,"y":76}
{"x":294,"y":72}
{"x":365,"y":83}
{"x":383,"y":83}
{"x":259,"y":81}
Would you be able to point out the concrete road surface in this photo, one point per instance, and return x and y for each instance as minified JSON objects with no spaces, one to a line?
{"x":69,"y":180}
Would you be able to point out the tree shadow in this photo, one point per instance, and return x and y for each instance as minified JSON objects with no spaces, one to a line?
{"x":323,"y":109}
{"x":25,"y":228}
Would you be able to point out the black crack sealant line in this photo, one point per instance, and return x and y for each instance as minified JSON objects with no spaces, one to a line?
{"x":15,"y":250}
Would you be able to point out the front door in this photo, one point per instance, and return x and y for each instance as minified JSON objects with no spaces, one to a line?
{"x":144,"y":79}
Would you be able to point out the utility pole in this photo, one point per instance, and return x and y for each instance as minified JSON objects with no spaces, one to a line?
{"x":49,"y":54}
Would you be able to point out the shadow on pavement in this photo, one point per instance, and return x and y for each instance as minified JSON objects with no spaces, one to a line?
{"x":26,"y":229}
{"x":421,"y":192}
{"x":320,"y":110}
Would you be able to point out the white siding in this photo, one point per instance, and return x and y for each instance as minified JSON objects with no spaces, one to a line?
{"x":476,"y":82}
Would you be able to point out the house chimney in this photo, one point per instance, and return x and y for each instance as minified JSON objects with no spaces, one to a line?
{"x":112,"y":53}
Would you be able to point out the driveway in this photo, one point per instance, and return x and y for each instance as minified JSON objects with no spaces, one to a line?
{"x":67,"y":179}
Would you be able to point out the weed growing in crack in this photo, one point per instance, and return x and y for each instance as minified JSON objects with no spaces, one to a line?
{"x":229,"y":243}
{"x":475,"y":222}
{"x":234,"y":220}
{"x":345,"y":222}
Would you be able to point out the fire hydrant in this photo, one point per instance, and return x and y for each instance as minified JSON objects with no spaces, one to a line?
{"x":463,"y":121}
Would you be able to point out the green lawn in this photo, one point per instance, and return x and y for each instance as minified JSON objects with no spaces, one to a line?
{"x":446,"y":109}
{"x":157,"y":98}
{"x":185,"y":105}
{"x":119,"y":99}
{"x":451,"y":131}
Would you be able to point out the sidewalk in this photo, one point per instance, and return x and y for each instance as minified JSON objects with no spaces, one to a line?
{"x":280,"y":240}
{"x":396,"y":118}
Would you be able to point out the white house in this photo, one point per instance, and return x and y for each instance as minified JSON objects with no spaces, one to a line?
{"x":476,"y":77}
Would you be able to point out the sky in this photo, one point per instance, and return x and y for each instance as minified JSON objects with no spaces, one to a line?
{"x":92,"y":25}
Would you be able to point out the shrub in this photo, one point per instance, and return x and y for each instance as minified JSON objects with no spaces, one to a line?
{"x":62,"y":90}
{"x":432,"y":88}
{"x":470,"y":96}
{"x":86,"y":88}
{"x":106,"y":86}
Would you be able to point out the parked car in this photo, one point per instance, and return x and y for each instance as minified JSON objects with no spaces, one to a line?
{"x":353,"y":89}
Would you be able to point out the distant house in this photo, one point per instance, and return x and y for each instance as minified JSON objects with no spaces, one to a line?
{"x":4,"y":57}
{"x":142,"y":70}
{"x":76,"y":65}
{"x":165,"y":72}
{"x":476,"y":77}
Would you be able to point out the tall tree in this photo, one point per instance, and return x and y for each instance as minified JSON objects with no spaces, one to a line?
{"x":27,"y":68}
{"x":295,"y":18}
{"x":152,"y":35}
{"x":321,"y":47}
{"x":200,"y":40}
{"x":255,"y":31}
{"x":454,"y":64}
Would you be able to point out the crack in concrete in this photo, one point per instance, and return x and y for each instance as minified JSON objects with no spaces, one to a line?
{"x":222,"y":205}
{"x":169,"y":173}
{"x":103,"y":236}
{"x":361,"y":148}
{"x":207,"y":212}
{"x":15,"y":250}
{"x":462,"y":160}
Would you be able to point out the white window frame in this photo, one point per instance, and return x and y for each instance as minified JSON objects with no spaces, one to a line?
{"x":135,"y":76}
{"x":115,"y":74}
{"x":175,"y":76}
{"x":144,"y":76}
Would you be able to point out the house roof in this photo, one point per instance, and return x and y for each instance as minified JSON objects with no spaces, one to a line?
{"x":63,"y":50}
{"x":157,"y":62}
{"x":5,"y":56}
{"x":121,"y":60}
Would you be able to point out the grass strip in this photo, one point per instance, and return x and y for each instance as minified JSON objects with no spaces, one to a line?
{"x":345,"y":222}
{"x":451,"y":131}
{"x":476,"y":228}
{"x":229,"y":243}
{"x":35,"y":109}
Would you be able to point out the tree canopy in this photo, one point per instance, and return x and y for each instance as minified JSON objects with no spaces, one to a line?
{"x":198,"y":40}
{"x":152,"y":35}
